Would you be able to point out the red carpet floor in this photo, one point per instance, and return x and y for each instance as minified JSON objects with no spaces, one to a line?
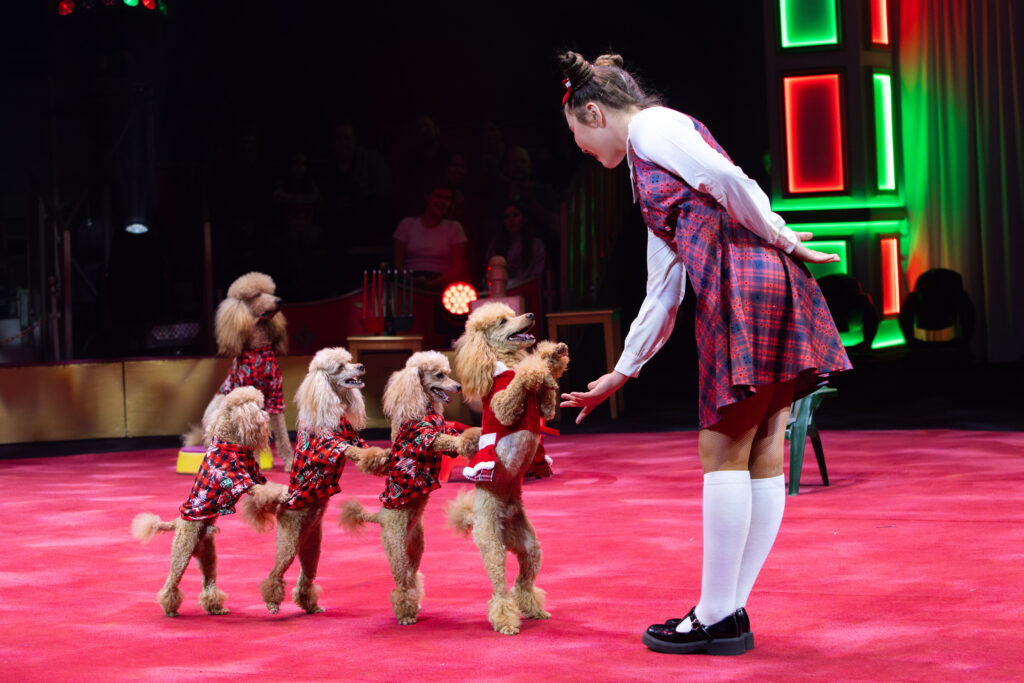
{"x":909,"y":567}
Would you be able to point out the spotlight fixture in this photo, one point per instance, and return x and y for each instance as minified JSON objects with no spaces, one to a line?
{"x":136,"y":227}
{"x":65,"y":7}
{"x":457,"y":297}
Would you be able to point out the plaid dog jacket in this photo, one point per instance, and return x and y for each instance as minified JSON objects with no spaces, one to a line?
{"x":413,"y":466}
{"x":228,"y":471}
{"x":258,"y":368}
{"x":318,"y":463}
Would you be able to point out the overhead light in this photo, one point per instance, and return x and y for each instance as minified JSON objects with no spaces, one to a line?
{"x":137,"y":228}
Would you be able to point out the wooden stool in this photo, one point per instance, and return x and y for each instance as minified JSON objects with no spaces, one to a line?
{"x":391,"y":353}
{"x":609,"y":321}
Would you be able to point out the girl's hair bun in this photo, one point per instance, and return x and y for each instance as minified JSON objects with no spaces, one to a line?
{"x":609,"y":60}
{"x":576,"y":68}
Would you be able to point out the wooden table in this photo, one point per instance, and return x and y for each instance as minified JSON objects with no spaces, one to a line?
{"x":609,"y":320}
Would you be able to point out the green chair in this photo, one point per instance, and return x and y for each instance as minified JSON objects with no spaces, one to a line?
{"x":800,"y":426}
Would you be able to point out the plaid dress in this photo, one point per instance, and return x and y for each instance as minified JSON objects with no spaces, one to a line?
{"x":761,"y":317}
{"x":318,"y":463}
{"x":257,"y":367}
{"x":228,"y":471}
{"x":413,"y":467}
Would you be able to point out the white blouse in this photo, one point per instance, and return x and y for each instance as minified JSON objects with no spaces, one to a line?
{"x":669,"y":139}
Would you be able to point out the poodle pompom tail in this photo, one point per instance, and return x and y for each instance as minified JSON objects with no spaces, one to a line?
{"x":353,"y":517}
{"x":260,"y":509}
{"x":193,"y":437}
{"x":460,"y":513}
{"x":146,"y":525}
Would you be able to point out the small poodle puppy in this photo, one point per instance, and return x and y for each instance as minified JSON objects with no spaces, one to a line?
{"x":414,"y":400}
{"x":518,"y":390}
{"x":237,"y":428}
{"x":331,"y":412}
{"x":251,"y":329}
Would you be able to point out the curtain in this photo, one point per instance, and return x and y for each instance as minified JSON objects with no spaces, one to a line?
{"x":963,"y":148}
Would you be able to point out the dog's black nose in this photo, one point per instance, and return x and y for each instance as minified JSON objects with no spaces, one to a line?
{"x":360,"y":367}
{"x":278,"y":301}
{"x":458,"y":387}
{"x":529,"y":316}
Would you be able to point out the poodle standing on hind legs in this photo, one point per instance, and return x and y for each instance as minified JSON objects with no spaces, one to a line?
{"x":517,"y":390}
{"x":331,"y":411}
{"x":414,"y":399}
{"x":237,"y":428}
{"x":251,"y":329}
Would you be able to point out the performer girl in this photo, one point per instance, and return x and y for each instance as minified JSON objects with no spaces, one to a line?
{"x":764,"y":333}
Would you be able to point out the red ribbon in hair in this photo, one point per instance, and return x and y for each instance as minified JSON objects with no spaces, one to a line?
{"x":568,"y":90}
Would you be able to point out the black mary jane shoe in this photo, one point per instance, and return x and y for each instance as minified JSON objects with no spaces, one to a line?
{"x":721,"y":638}
{"x":741,"y":616}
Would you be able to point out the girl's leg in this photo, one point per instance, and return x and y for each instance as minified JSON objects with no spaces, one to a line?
{"x":725,"y":455}
{"x":767,"y":489}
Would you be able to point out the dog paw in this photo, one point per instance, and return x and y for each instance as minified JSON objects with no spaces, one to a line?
{"x":407,"y":621}
{"x":273,"y":607}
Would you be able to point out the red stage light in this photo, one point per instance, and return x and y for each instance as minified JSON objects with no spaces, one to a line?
{"x":149,"y":4}
{"x":457,"y":297}
{"x":890,"y":275}
{"x":65,"y":7}
{"x":880,"y":22}
{"x":815,"y":159}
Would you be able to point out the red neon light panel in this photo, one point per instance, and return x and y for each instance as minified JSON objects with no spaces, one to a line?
{"x":880,"y":22}
{"x":890,"y":275}
{"x":814,"y":134}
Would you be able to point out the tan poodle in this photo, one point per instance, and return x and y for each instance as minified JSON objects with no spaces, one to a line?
{"x":251,"y":329}
{"x":330,"y":413}
{"x":237,"y":430}
{"x":517,"y":390}
{"x":414,"y":400}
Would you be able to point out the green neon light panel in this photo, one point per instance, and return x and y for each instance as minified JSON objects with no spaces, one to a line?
{"x":806,"y":23}
{"x":885,"y":155}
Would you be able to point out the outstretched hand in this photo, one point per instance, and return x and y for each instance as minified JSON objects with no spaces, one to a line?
{"x":600,"y":389}
{"x":802,"y":253}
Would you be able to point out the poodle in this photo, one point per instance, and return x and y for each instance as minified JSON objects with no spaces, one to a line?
{"x":251,"y":328}
{"x":330,"y":413}
{"x":518,"y":390}
{"x":237,"y":428}
{"x":414,"y":399}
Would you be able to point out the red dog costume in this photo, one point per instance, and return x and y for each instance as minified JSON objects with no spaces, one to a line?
{"x":413,"y":467}
{"x":228,"y":471}
{"x":481,"y":467}
{"x":257,"y":367}
{"x":319,"y":462}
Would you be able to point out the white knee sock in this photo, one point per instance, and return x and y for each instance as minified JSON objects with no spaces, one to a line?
{"x":767,"y":503}
{"x":726,"y":521}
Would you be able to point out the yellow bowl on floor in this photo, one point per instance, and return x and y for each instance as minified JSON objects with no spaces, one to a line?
{"x":191,"y":457}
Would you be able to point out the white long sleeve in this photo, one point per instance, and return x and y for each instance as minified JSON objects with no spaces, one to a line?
{"x":669,"y":139}
{"x":666,"y":285}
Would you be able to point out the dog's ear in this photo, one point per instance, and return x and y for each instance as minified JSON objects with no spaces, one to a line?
{"x":252,"y":424}
{"x":277,"y":329}
{"x":404,"y":397}
{"x":474,"y":364}
{"x":319,"y":405}
{"x":234,"y":324}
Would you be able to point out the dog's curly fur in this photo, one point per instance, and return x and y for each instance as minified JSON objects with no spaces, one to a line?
{"x":330,"y":390}
{"x":238,"y":419}
{"x":421,"y":386}
{"x":494,"y":512}
{"x":249,"y":316}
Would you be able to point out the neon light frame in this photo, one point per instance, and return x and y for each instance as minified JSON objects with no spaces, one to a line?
{"x":885,"y":145}
{"x":890,"y":253}
{"x":838,"y":183}
{"x":879,"y":11}
{"x":826,"y":36}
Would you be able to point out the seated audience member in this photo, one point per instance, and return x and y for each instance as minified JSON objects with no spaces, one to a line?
{"x":430,"y":245}
{"x":516,"y":241}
